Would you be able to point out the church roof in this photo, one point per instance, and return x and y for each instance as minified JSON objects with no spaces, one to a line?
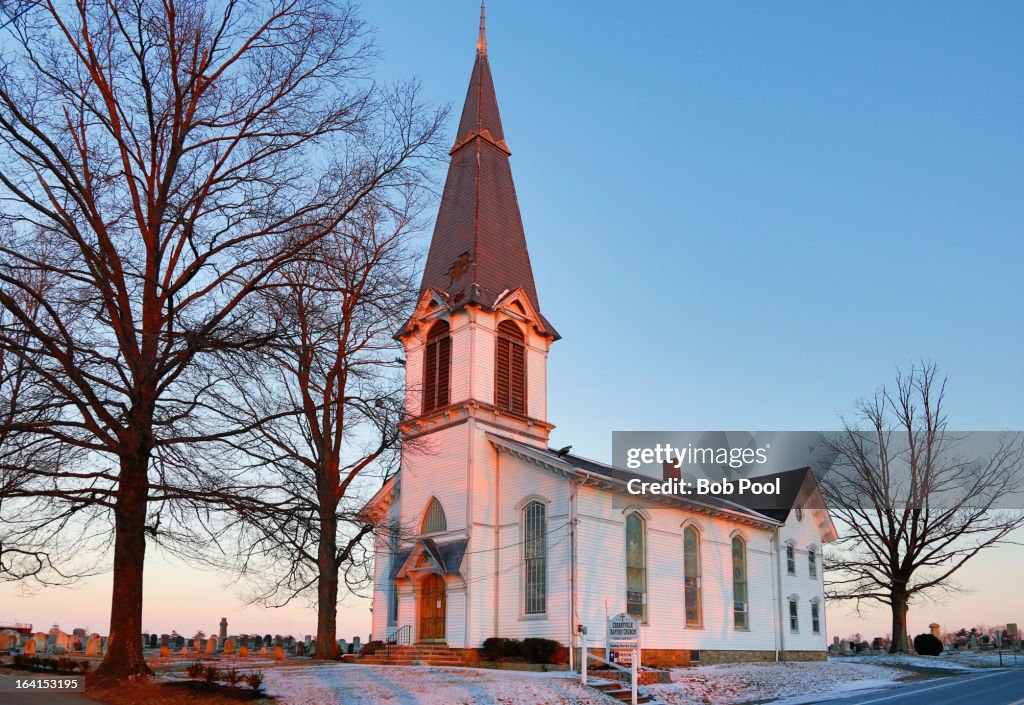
{"x":478,"y":251}
{"x":616,"y":480}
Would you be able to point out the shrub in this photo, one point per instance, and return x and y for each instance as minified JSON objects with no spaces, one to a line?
{"x":540,"y":650}
{"x":927,"y":645}
{"x":232,"y":677}
{"x":372,"y":647}
{"x":211,"y":674}
{"x":499,"y":648}
{"x":195,"y":670}
{"x":255,"y":680}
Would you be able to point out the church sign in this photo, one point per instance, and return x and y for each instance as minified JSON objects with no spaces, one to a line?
{"x":623,"y":632}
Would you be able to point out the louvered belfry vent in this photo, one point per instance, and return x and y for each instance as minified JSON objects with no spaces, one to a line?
{"x":510,"y":369}
{"x":437,"y":367}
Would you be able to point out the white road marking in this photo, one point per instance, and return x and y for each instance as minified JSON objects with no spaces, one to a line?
{"x":934,"y":687}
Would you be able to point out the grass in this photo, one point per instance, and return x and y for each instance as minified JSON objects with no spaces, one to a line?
{"x":156,"y":692}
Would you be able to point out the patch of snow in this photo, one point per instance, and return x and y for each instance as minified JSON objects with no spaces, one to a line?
{"x":790,"y":683}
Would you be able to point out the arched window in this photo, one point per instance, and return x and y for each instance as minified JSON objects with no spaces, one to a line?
{"x":437,"y":366}
{"x":816,"y":616}
{"x":691,"y":577}
{"x":636,"y":566}
{"x":740,"y":602}
{"x":535,"y":558}
{"x":794,"y":615}
{"x":510,"y":368}
{"x":393,"y":545}
{"x":812,"y":561}
{"x":434,"y":521}
{"x":790,"y":559}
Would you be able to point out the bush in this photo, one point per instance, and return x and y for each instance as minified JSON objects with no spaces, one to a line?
{"x":499,"y":648}
{"x":255,"y":680}
{"x":232,"y":677}
{"x":195,"y":670}
{"x":372,"y":647}
{"x":211,"y":674}
{"x":540,"y":650}
{"x":927,"y":645}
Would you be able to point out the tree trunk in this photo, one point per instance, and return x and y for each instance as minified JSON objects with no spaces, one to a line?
{"x":124,"y":646}
{"x":327,"y":588}
{"x":900,"y":643}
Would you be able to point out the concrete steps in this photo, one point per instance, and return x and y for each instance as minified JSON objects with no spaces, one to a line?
{"x":621,"y":692}
{"x":415,"y":655}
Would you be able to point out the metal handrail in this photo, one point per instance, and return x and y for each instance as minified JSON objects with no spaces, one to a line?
{"x":402,"y":636}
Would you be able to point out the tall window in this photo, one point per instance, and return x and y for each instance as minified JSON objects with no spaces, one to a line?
{"x":535,"y":550}
{"x":437,"y":366}
{"x":691,"y":576}
{"x":636,"y":566}
{"x":812,"y":561}
{"x":790,"y":559}
{"x":434,"y":521}
{"x":815,"y":616}
{"x":794,"y":618}
{"x":393,"y":543}
{"x":740,"y":603}
{"x":510,"y":369}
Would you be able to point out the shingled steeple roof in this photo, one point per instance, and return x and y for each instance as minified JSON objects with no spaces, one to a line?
{"x":478,"y":252}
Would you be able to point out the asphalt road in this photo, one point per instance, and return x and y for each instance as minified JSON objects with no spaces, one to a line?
{"x":1002,"y":687}
{"x":39,"y":697}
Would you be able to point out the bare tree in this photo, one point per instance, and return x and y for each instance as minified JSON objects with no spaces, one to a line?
{"x":334,"y":362}
{"x":159,"y":162}
{"x":913,"y":510}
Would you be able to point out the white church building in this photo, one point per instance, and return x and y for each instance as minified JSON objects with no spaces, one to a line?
{"x":503,"y":536}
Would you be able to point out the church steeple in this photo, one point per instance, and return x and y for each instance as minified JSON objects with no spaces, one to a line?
{"x":478,"y":251}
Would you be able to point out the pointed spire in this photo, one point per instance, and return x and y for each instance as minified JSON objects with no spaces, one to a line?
{"x":481,"y":42}
{"x":478,"y":252}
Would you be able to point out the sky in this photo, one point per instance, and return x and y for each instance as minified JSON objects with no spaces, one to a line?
{"x":741,"y":216}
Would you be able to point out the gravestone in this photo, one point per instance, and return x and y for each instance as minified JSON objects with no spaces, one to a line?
{"x":244,"y":651}
{"x":165,"y":640}
{"x":278,"y":640}
{"x":300,"y":649}
{"x":974,"y":642}
{"x":229,"y":647}
{"x":211,"y":645}
{"x":267,"y":640}
{"x":342,"y":644}
{"x":263,"y":651}
{"x":279,"y":653}
{"x":8,"y":641}
{"x":154,"y":641}
{"x":223,"y":633}
{"x":184,"y":651}
{"x":356,"y":645}
{"x":93,"y":646}
{"x":844,"y":647}
{"x":30,"y":647}
{"x":165,"y":651}
{"x":40,"y":640}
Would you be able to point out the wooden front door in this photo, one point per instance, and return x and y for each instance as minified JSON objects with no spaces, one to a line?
{"x":432,"y":608}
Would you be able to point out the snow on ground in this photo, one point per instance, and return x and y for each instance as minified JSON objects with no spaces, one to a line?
{"x":789,"y":683}
{"x":349,"y":684}
{"x":948,"y":660}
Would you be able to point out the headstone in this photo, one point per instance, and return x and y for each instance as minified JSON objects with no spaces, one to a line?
{"x":8,"y":641}
{"x":165,"y":651}
{"x":41,"y":640}
{"x":342,"y":645}
{"x":184,"y":651}
{"x":229,"y":647}
{"x":279,"y":653}
{"x":263,"y":651}
{"x":223,"y":629}
{"x":844,"y":647}
{"x":267,"y":640}
{"x":93,"y":646}
{"x":30,"y":647}
{"x":278,"y":640}
{"x":211,"y":645}
{"x":300,"y":649}
{"x":244,"y":651}
{"x":934,"y":627}
{"x":356,"y":646}
{"x":200,"y":645}
{"x":154,"y":641}
{"x":974,"y":642}
{"x":164,"y":640}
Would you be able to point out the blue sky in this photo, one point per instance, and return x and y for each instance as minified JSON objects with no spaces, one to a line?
{"x":747,"y":215}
